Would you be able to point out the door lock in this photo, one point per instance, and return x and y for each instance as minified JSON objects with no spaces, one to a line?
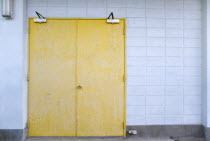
{"x":79,"y":87}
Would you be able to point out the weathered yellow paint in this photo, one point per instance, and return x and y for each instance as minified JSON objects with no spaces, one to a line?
{"x":100,"y":70}
{"x":52,"y":78}
{"x":65,"y":53}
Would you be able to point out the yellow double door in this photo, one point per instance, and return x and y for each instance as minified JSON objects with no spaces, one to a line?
{"x":76,"y":78}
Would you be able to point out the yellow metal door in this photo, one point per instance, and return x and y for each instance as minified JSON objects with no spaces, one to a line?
{"x":76,"y":72}
{"x":100,"y":73}
{"x":52,"y":78}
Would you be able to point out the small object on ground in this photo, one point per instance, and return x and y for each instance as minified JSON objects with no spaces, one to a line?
{"x":175,"y":139}
{"x":132,"y":132}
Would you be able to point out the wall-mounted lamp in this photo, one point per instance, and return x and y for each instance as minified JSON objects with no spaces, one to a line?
{"x":7,"y":8}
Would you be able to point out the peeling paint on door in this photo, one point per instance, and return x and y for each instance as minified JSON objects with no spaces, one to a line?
{"x":66,"y":53}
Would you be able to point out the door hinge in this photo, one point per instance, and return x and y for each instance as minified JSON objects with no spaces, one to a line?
{"x":28,"y":124}
{"x":124,"y":78}
{"x":28,"y":78}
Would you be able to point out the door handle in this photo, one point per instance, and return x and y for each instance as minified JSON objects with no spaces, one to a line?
{"x":79,"y":86}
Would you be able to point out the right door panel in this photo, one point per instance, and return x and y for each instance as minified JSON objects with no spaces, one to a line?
{"x":100,"y":72}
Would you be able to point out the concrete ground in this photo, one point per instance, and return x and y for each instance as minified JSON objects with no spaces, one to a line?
{"x":189,"y":139}
{"x":96,"y":139}
{"x":111,"y":139}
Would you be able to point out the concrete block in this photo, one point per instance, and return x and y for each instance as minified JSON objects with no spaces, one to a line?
{"x":175,"y":120}
{"x":96,"y":3}
{"x":192,"y":61}
{"x":174,"y":42}
{"x":154,"y":110}
{"x":193,"y":90}
{"x":192,"y":42}
{"x":174,"y":80}
{"x":156,"y":42}
{"x":136,"y":22}
{"x":139,"y":32}
{"x":174,"y":71}
{"x":135,"y":100}
{"x":192,"y":14}
{"x":136,"y":80}
{"x":174,"y":90}
{"x":174,"y":13}
{"x":116,"y":3}
{"x":192,"y":119}
{"x":154,"y":120}
{"x":155,"y":13}
{"x":155,"y":32}
{"x":136,"y":90}
{"x":193,"y":52}
{"x":135,"y":12}
{"x":156,"y":61}
{"x":77,"y":3}
{"x":174,"y":100}
{"x":156,"y":71}
{"x":193,"y":81}
{"x":155,"y":100}
{"x":136,"y":61}
{"x":192,"y":5}
{"x":135,"y":3}
{"x":137,"y":51}
{"x":156,"y":80}
{"x":174,"y":4}
{"x":155,"y":4}
{"x":155,"y":22}
{"x":135,"y":110}
{"x":192,"y":109}
{"x":136,"y":41}
{"x":192,"y":33}
{"x":174,"y":23}
{"x":136,"y":71}
{"x":174,"y":110}
{"x":192,"y":100}
{"x":155,"y":90}
{"x":174,"y":32}
{"x":174,"y":61}
{"x":91,"y":12}
{"x":192,"y":24}
{"x":157,"y":51}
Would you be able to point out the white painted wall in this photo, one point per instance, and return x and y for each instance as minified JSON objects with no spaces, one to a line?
{"x":12,"y":77}
{"x":164,"y":58}
{"x":206,"y":64}
{"x":164,"y":54}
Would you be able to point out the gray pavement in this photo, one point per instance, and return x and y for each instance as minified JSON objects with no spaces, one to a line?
{"x":96,"y":139}
{"x":111,"y":139}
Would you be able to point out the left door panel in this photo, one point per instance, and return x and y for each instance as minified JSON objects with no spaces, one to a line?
{"x":52,"y":48}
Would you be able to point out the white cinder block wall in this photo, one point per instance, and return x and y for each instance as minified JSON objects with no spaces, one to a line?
{"x":13,"y":70}
{"x":164,"y":54}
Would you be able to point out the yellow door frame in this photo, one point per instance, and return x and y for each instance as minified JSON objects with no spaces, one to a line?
{"x":125,"y":71}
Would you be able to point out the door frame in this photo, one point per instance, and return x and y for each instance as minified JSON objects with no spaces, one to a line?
{"x":125,"y":63}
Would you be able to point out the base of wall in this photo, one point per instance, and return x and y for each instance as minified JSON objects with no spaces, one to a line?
{"x":168,"y":131}
{"x":207,"y":133}
{"x":143,"y":131}
{"x":13,"y":134}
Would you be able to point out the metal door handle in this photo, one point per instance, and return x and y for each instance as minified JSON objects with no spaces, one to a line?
{"x":79,"y":86}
